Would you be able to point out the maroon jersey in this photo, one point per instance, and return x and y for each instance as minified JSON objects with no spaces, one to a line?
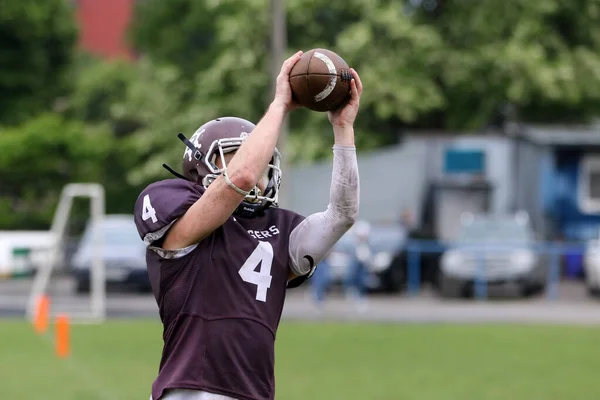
{"x":220,"y":301}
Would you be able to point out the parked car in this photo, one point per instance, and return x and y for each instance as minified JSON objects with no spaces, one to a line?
{"x":23,"y":252}
{"x":496,"y":249}
{"x":385,"y":240}
{"x":123,"y":252}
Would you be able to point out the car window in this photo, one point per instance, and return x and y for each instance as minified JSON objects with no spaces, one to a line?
{"x":495,"y":230}
{"x":116,"y":232}
{"x":387,"y":238}
{"x":381,"y":238}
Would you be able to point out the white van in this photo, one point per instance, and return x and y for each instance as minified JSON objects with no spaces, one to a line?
{"x":22,"y":252}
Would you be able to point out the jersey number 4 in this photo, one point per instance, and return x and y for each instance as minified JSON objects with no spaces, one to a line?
{"x":263,"y":256}
{"x":147,"y":210}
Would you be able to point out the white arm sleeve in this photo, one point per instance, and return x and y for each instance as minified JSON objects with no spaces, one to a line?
{"x":314,"y":237}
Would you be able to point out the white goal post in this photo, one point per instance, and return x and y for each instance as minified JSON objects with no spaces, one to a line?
{"x":97,"y":309}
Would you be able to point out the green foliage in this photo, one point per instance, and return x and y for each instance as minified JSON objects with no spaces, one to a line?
{"x":182,"y":32}
{"x":541,"y":56}
{"x":157,"y":101}
{"x":38,"y":159}
{"x":454,"y":68}
{"x":235,"y":79}
{"x":36,"y":45}
{"x":98,"y":85}
{"x":396,"y":59}
{"x":233,"y":75}
{"x":101,"y":99}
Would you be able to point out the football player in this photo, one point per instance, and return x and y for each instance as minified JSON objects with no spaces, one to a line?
{"x":221,"y":254}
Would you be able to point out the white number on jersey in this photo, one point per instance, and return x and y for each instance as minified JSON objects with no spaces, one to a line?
{"x":263,"y":255}
{"x":147,"y":210}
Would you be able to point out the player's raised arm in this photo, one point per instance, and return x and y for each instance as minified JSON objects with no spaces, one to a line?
{"x":314,"y":237}
{"x":242,"y":173}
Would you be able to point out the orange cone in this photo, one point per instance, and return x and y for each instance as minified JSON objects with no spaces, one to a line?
{"x":42,"y":312}
{"x":62,"y":336}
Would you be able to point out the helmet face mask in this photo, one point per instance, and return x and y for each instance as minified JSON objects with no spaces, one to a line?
{"x":272,"y":173}
{"x":204,"y":160}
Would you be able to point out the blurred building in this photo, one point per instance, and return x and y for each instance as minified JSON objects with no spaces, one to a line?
{"x":434,"y":176}
{"x":392,"y":179}
{"x":558,"y":179}
{"x":552,"y":173}
{"x":103,"y":27}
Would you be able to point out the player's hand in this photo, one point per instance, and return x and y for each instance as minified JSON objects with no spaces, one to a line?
{"x":345,"y":115}
{"x":283,"y":89}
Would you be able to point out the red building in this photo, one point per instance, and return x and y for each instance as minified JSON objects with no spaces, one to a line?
{"x":103,"y":27}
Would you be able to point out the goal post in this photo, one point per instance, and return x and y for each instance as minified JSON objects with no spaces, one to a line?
{"x":96,"y":312}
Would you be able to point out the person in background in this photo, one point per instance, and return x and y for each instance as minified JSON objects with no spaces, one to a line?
{"x":407,"y":220}
{"x":321,"y":281}
{"x":428,"y":261}
{"x":355,"y":282}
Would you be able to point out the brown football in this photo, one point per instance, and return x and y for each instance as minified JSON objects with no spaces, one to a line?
{"x":321,"y":80}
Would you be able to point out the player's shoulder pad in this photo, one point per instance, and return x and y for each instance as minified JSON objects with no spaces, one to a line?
{"x":161,"y":203}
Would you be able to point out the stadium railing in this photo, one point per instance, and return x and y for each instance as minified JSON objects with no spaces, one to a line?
{"x":551,"y":253}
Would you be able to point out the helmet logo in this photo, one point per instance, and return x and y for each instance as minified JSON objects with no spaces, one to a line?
{"x":243,"y":135}
{"x":195,"y":139}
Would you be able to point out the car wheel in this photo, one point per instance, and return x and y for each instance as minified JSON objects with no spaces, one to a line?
{"x":144,"y":288}
{"x":449,"y":288}
{"x":82,"y":286}
{"x":527,"y":290}
{"x":531,"y":289}
{"x":593,"y":291}
{"x":391,"y":280}
{"x":467,"y":291}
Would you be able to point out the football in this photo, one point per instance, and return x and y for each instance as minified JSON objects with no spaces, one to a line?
{"x":320,"y":80}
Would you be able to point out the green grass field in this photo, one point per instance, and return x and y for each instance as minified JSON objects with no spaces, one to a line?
{"x":118,"y":360}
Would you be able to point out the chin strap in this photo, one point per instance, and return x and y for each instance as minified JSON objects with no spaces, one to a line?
{"x":197,"y":154}
{"x":171,"y":170}
{"x":248,"y":210}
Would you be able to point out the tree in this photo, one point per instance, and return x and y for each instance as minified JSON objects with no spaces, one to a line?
{"x":36,"y":48}
{"x":432,"y":64}
{"x":40,"y":157}
{"x":543,"y":57}
{"x":231,"y":70}
{"x":180,"y":32}
{"x":184,"y":80}
{"x":396,"y":58}
{"x":158,"y":101}
{"x":102,"y":100}
{"x":97,"y":86}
